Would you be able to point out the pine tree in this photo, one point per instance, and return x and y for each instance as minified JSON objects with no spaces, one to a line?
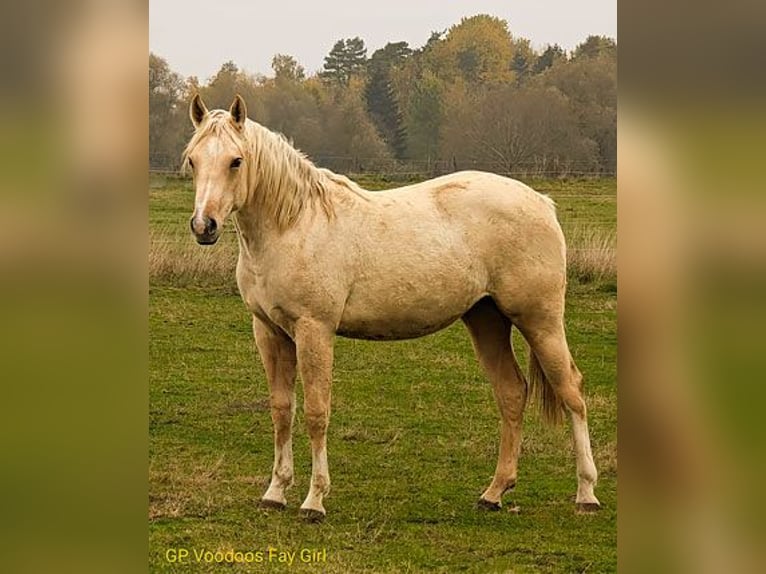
{"x":381,"y":99}
{"x":520,"y":65}
{"x":547,"y":58}
{"x":347,"y":58}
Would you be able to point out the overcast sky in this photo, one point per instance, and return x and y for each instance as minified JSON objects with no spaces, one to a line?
{"x":197,"y":36}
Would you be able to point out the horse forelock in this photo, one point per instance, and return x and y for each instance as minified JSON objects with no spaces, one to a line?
{"x":217,"y":123}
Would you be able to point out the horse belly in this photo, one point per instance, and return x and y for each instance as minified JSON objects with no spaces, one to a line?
{"x":386,"y":310}
{"x":391,"y":329}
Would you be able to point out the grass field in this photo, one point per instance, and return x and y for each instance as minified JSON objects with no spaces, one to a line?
{"x":412,"y":440}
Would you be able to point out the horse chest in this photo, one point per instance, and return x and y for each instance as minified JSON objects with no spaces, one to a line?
{"x":265,"y":307}
{"x":252,"y":288}
{"x":281,"y":299}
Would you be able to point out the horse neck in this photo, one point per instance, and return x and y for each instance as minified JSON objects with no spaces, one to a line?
{"x":282,"y":186}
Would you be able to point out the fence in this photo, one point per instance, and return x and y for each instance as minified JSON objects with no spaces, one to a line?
{"x":394,"y":169}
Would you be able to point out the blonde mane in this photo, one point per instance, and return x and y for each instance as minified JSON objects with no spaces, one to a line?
{"x":282,"y":181}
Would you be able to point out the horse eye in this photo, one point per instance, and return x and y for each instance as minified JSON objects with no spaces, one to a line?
{"x":236,"y":162}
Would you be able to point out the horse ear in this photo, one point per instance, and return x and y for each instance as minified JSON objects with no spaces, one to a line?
{"x":238,"y":111}
{"x":197,"y":110}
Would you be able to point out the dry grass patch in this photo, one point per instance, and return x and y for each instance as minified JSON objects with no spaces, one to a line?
{"x":592,"y":254}
{"x":181,"y":261}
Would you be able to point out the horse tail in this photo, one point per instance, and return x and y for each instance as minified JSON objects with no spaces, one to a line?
{"x":551,"y":405}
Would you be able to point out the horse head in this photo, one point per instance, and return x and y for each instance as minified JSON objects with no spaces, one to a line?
{"x":216,"y":156}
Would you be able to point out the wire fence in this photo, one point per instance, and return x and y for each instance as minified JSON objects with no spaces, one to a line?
{"x":397,"y":169}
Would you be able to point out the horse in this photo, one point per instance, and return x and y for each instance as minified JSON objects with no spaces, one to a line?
{"x":319,"y":256}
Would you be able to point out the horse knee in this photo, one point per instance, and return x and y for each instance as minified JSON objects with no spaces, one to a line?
{"x":281,"y":416}
{"x":316,"y":422}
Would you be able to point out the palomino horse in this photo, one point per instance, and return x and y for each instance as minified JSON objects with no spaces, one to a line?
{"x":319,"y":257}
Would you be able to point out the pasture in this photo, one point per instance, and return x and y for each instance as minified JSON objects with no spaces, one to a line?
{"x":413,"y":435}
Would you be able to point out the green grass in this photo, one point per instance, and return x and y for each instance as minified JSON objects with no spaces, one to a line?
{"x":412,"y":440}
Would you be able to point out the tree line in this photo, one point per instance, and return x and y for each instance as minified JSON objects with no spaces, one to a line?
{"x":474,"y":96}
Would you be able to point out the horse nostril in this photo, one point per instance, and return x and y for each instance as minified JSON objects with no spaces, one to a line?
{"x":204,"y":226}
{"x":198,"y":225}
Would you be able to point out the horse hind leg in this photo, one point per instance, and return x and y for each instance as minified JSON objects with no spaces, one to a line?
{"x":558,"y":382}
{"x":491,"y":336}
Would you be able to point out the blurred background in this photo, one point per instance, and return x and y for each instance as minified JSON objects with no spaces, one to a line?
{"x":691,"y":278}
{"x":74,"y":141}
{"x":692,"y":271}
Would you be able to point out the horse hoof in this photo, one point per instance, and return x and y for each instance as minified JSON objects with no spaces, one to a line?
{"x":484,"y":504}
{"x":587,"y":507}
{"x":272,"y":504}
{"x":313,"y":516}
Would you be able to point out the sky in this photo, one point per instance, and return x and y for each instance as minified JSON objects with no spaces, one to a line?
{"x":197,"y":36}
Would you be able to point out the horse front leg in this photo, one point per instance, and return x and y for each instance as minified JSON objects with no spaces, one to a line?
{"x":314,"y":343}
{"x":278,"y":356}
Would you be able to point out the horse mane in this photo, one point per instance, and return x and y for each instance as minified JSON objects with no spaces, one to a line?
{"x":283,"y":180}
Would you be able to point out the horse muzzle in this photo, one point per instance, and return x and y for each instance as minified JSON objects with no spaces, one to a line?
{"x":205,"y":229}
